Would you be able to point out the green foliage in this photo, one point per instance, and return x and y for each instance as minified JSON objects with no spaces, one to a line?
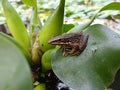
{"x":40,"y":87}
{"x":95,"y":67}
{"x":15,"y":24}
{"x":67,"y":27}
{"x":15,"y":72}
{"x":53,"y":26}
{"x":21,"y":48}
{"x":97,"y":60}
{"x":46,"y":59}
{"x":32,"y":3}
{"x":111,"y":6}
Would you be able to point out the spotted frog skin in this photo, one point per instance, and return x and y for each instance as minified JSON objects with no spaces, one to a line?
{"x":71,"y":44}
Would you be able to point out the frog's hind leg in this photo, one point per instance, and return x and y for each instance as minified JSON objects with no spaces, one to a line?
{"x":83,"y":42}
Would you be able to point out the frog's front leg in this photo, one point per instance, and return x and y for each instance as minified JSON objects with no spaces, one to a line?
{"x":63,"y":48}
{"x":73,"y":51}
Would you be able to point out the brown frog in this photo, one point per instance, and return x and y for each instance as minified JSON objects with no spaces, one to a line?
{"x":71,"y":44}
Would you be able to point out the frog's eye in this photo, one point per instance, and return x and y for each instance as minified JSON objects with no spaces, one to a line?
{"x":59,"y":39}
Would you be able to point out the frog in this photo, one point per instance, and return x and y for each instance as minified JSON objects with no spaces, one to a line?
{"x":71,"y":44}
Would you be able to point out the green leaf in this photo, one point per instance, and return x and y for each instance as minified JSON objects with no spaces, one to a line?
{"x":15,"y":24}
{"x":95,"y":67}
{"x":40,"y":87}
{"x":80,"y":27}
{"x":46,"y":59}
{"x":15,"y":72}
{"x":52,"y":27}
{"x":35,"y":25}
{"x":24,"y":51}
{"x":67,"y":27}
{"x":111,"y":6}
{"x":32,"y":3}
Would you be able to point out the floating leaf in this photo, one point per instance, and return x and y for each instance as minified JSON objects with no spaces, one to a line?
{"x":95,"y":67}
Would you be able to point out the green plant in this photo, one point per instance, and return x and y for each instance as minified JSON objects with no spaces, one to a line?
{"x":93,"y":69}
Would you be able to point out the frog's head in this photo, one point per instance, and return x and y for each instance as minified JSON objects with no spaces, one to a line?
{"x":58,"y":40}
{"x":64,"y":39}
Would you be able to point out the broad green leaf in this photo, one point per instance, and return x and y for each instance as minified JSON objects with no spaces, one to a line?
{"x":111,"y":6}
{"x":32,"y":3}
{"x":24,"y":51}
{"x":95,"y":67}
{"x":15,"y":24}
{"x":15,"y":72}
